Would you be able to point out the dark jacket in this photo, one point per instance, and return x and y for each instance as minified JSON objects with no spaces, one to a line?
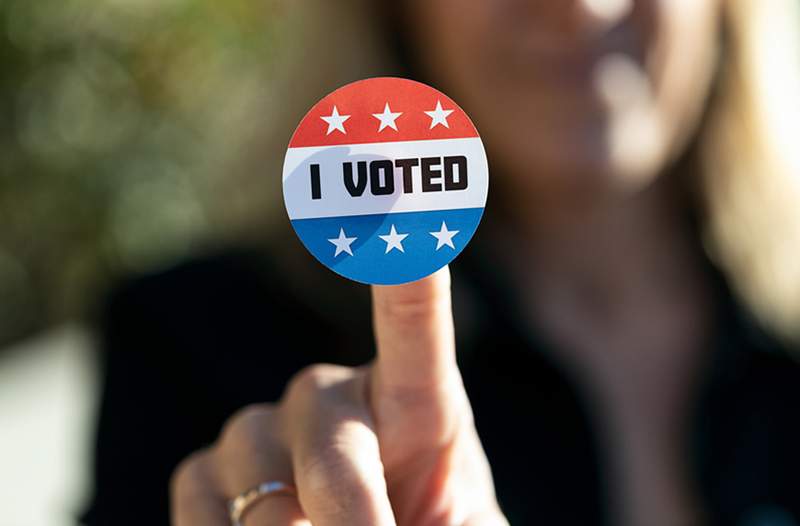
{"x":183,"y":349}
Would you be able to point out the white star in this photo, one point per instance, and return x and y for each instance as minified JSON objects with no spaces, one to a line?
{"x":387,"y":118}
{"x":439,"y":116}
{"x":394,"y":240}
{"x":335,"y":121}
{"x":342,"y":243}
{"x":444,"y":237}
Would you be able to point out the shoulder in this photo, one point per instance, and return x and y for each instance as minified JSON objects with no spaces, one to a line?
{"x":209,"y":295}
{"x":188,"y":288}
{"x":749,"y":425}
{"x":206,"y":315}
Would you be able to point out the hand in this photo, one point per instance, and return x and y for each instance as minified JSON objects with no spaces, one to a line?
{"x":388,"y":443}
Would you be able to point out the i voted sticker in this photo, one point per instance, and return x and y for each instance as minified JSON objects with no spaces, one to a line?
{"x":385,"y":180}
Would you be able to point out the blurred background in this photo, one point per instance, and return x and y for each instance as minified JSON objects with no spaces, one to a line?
{"x":120,"y":121}
{"x":123,"y":129}
{"x":131,"y":137}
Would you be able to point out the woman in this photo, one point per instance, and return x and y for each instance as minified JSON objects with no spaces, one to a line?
{"x":608,"y":370}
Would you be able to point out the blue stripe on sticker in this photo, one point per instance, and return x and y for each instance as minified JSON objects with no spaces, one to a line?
{"x":389,"y":249}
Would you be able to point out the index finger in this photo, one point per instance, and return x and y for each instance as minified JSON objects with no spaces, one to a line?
{"x":414,"y":333}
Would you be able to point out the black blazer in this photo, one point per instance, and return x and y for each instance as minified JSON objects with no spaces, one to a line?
{"x":185,"y":348}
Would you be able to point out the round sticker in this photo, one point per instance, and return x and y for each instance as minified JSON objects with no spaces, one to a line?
{"x":385,"y":180}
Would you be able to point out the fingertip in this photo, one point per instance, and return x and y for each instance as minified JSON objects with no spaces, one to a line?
{"x":427,"y":289}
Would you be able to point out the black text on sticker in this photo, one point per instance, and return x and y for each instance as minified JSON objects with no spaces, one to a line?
{"x":436,"y":174}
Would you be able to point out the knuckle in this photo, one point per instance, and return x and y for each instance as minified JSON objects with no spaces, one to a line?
{"x":189,"y":475}
{"x":335,"y":480}
{"x":245,"y":429}
{"x":414,"y":311}
{"x":324,"y":472}
{"x":311,"y":380}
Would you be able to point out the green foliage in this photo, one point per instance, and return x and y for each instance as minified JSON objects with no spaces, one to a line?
{"x":117,"y":118}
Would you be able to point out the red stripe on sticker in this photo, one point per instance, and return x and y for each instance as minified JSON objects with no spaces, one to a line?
{"x":382,"y":110}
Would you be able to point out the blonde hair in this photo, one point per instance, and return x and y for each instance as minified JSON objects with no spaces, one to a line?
{"x":751,"y":164}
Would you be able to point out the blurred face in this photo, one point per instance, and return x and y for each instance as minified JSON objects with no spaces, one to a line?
{"x":573,"y":94}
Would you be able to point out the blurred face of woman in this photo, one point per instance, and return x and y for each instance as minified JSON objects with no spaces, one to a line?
{"x":583,"y":95}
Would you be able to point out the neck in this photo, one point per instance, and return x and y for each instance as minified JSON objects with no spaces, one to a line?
{"x":608,"y":245}
{"x":617,"y":285}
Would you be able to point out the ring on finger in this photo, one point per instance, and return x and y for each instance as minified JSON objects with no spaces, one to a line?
{"x":240,"y":504}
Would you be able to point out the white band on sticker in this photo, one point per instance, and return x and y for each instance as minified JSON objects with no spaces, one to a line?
{"x":427,"y":175}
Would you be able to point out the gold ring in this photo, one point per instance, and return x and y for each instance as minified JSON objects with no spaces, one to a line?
{"x":238,"y":506}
